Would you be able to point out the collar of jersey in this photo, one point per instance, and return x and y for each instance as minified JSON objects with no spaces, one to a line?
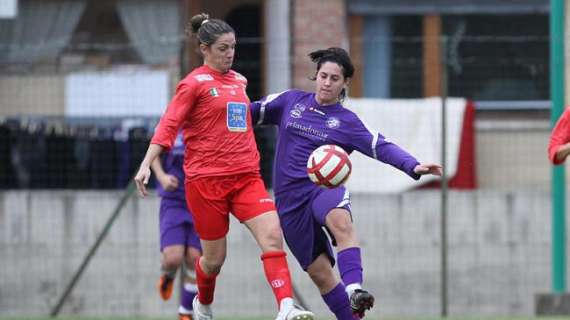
{"x":215,"y":72}
{"x":325,"y":107}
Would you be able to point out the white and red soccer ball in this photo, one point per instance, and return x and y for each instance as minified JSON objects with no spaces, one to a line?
{"x":329,"y":166}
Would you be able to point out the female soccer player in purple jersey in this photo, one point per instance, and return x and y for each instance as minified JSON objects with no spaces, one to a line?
{"x":179,"y":242}
{"x":307,"y":120}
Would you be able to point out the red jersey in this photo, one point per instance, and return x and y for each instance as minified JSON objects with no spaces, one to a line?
{"x":560,"y":135}
{"x":212,"y":109}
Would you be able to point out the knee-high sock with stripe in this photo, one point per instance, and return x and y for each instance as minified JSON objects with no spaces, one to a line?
{"x":350,"y":266}
{"x":206,"y":285}
{"x":277,"y":274}
{"x":338,"y":302}
{"x":189,"y":291}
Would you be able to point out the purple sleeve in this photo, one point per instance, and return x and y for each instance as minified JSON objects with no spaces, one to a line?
{"x":376,"y":146}
{"x":269,"y":109}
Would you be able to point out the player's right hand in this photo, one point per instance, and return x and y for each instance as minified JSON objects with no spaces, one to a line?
{"x":168,"y":182}
{"x":141,"y":180}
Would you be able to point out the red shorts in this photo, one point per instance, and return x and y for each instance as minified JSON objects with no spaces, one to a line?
{"x":211,"y":199}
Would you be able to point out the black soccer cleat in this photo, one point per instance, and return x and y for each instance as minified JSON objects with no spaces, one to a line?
{"x":360,"y":301}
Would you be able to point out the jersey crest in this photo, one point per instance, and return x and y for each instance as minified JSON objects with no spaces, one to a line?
{"x":297,"y":110}
{"x":333,"y":122}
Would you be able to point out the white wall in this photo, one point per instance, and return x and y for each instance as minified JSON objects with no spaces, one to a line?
{"x":499,"y":255}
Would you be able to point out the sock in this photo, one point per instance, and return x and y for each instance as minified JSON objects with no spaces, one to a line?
{"x":277,"y":274}
{"x":189,"y":291}
{"x":352,"y":287}
{"x":182,"y":310}
{"x":286,"y":304}
{"x":350,"y":267}
{"x":206,"y":285}
{"x":338,"y":302}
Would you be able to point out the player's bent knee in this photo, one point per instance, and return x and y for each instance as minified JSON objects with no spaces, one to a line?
{"x":212,"y":264}
{"x":342,"y":228}
{"x":272,"y":242}
{"x":171,"y":264}
{"x":272,"y":237}
{"x":172,"y":261}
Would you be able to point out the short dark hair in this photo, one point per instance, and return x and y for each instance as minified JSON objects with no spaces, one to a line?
{"x":207,"y":30}
{"x":334,"y":55}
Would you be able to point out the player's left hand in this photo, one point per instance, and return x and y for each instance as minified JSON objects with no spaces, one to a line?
{"x":428,"y":168}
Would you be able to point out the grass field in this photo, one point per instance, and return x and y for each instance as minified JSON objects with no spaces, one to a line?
{"x":268,"y":318}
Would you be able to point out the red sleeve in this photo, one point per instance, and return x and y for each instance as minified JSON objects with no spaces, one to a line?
{"x":560,"y":135}
{"x":176,"y":113}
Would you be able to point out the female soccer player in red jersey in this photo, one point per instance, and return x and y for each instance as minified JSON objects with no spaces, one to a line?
{"x":222,"y":167}
{"x":559,"y":145}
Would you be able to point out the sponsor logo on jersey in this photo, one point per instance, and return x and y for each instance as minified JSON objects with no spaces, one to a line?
{"x":203,"y":77}
{"x":214,"y":92}
{"x":297,"y":111}
{"x":277,"y":283}
{"x":237,"y":116}
{"x":265,"y":200}
{"x":306,"y":130}
{"x":240,"y":77}
{"x":333,"y":122}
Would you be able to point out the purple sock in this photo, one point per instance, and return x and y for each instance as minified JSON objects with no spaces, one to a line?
{"x":187,"y":296}
{"x":338,"y":303}
{"x":350,"y":266}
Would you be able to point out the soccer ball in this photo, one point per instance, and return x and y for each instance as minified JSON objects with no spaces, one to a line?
{"x":329,"y":166}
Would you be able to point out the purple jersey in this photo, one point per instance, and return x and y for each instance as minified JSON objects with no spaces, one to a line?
{"x":304,"y":125}
{"x":172,"y":164}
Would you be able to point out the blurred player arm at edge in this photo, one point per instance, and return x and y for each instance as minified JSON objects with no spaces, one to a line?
{"x":559,"y":144}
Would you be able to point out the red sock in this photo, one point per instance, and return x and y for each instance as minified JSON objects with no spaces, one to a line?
{"x":277,"y":274}
{"x":206,"y":284}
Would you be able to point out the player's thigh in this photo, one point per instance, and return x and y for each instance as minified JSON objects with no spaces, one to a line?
{"x":210,"y":211}
{"x":267,"y":231}
{"x":250,"y":198}
{"x":339,"y":222}
{"x":304,"y":236}
{"x":328,"y":199}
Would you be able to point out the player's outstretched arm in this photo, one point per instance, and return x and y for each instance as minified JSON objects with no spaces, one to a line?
{"x":143,"y":175}
{"x":428,"y":168}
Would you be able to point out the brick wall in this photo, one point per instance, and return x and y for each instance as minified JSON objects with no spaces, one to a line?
{"x":316,"y":24}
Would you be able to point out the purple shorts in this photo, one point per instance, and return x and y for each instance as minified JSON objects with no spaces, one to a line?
{"x":302,"y":214}
{"x":176,"y":225}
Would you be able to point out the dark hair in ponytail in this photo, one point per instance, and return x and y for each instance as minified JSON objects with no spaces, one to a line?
{"x":207,"y":30}
{"x":334,"y":55}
